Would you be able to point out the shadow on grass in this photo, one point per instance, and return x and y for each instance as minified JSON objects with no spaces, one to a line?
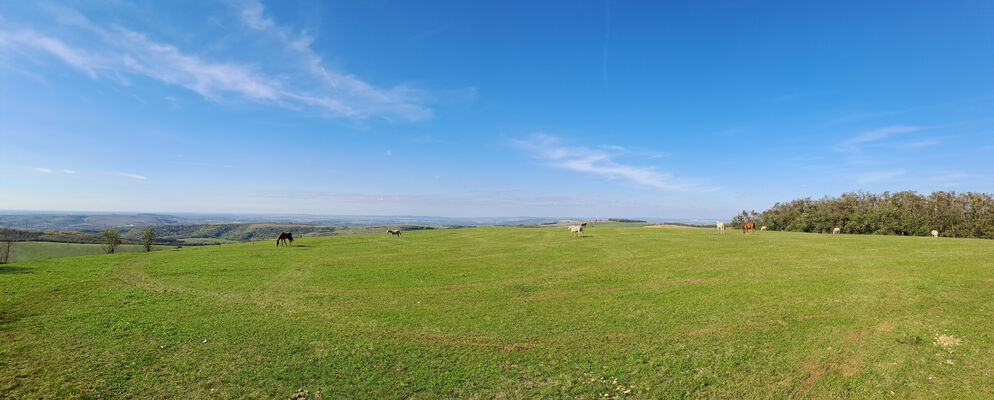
{"x":11,"y":269}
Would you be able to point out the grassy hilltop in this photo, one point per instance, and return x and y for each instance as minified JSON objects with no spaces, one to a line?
{"x":30,"y":251}
{"x":624,"y":312}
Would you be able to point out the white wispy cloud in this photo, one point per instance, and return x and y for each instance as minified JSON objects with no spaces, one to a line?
{"x":362,"y":97}
{"x":919,"y":144}
{"x":854,"y":143}
{"x":253,"y":15}
{"x":601,"y":162}
{"x":132,"y":176}
{"x":953,"y":178}
{"x":44,"y":170}
{"x":68,"y":171}
{"x":298,"y":80}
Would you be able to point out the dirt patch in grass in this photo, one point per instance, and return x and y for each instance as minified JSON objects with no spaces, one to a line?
{"x":861,"y":334}
{"x":467,"y":340}
{"x":815,"y":371}
{"x":567,"y":294}
{"x":723,"y":329}
{"x":815,"y":316}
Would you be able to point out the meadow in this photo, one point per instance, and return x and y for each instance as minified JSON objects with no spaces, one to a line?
{"x":30,"y":251}
{"x":624,"y":312}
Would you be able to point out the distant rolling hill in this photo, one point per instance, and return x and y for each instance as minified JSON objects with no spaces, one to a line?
{"x":240,"y":232}
{"x":85,"y":222}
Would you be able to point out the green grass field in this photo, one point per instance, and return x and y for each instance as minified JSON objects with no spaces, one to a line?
{"x":30,"y":251}
{"x":509,"y":313}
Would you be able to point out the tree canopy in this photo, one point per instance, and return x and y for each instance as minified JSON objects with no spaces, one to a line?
{"x":902,"y":213}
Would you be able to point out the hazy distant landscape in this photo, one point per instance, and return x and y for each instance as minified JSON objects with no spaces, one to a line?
{"x":40,"y":220}
{"x":51,"y":235}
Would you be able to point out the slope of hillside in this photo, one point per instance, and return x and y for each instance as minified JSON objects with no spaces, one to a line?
{"x":30,"y":251}
{"x":256,"y":231}
{"x":507,"y":312}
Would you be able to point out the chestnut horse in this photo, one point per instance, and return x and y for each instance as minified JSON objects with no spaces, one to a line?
{"x":284,"y":237}
{"x":748,"y":226}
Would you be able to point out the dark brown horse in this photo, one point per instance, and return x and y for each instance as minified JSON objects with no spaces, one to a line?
{"x":284,"y":237}
{"x":748,"y":226}
{"x":394,"y":232}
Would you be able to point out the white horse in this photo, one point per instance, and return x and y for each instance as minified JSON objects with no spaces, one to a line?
{"x":577,"y":229}
{"x":935,"y":233}
{"x":721,"y":227}
{"x":836,"y":231}
{"x":762,"y":228}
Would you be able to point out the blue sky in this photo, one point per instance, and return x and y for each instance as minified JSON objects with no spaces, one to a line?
{"x":585,"y":109}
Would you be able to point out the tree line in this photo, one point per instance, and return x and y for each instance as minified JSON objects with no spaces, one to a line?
{"x":111,"y":240}
{"x":968,"y":215}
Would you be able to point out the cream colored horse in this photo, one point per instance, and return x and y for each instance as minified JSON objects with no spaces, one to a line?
{"x":836,"y":231}
{"x":577,"y":229}
{"x":935,"y":233}
{"x":721,"y":227}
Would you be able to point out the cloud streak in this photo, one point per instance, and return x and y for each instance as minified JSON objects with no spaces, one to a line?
{"x":854,"y":143}
{"x":298,"y":81}
{"x":132,"y":176}
{"x":602,"y":163}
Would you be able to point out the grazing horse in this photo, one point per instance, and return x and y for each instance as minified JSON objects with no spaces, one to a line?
{"x":284,"y":237}
{"x":935,"y":233}
{"x":836,"y":231}
{"x":762,"y":228}
{"x":577,"y":229}
{"x":394,"y":232}
{"x":748,"y":226}
{"x":721,"y":227}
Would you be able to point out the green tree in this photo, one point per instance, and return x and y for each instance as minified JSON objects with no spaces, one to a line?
{"x":6,"y":243}
{"x":902,"y":213}
{"x":112,"y":239}
{"x":147,"y":237}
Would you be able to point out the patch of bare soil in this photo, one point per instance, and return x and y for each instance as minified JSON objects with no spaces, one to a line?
{"x":815,"y":316}
{"x":463,"y":340}
{"x":815,"y":371}
{"x":722,"y":329}
{"x":567,"y":294}
{"x":861,"y":334}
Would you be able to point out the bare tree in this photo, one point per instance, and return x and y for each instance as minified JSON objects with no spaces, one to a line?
{"x":6,"y":243}
{"x":112,"y":239}
{"x":147,"y":237}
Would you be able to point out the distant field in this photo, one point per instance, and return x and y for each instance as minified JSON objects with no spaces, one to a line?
{"x":509,"y":313}
{"x":619,"y":224}
{"x":30,"y":251}
{"x":207,"y":241}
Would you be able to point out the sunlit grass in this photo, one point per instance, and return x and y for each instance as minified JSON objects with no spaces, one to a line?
{"x":505,"y":312}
